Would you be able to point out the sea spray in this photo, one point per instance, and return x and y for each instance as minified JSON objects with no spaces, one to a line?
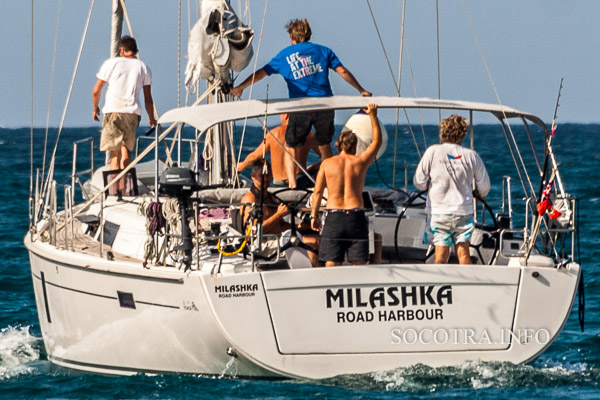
{"x":17,"y":349}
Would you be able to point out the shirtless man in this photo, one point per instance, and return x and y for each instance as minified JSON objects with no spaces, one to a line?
{"x":273,"y":211}
{"x":346,"y":226}
{"x":283,"y":166}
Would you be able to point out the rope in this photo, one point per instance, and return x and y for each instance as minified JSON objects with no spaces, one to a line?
{"x":156,"y":221}
{"x":170,"y":212}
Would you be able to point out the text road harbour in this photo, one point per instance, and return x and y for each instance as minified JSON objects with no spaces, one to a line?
{"x":394,"y":303}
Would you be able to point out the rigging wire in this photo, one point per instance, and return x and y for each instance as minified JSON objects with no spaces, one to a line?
{"x":62,"y":119}
{"x":393,"y":77}
{"x":179,"y":80}
{"x":262,"y":27}
{"x":387,"y":59}
{"x":179,"y":59}
{"x":487,"y":69}
{"x":439,"y":78}
{"x":51,"y":90}
{"x":396,"y":85}
{"x":130,"y":28}
{"x":126,"y":15}
{"x":189,"y":18}
{"x":399,"y":91}
{"x":414,"y":84}
{"x":31,"y":216}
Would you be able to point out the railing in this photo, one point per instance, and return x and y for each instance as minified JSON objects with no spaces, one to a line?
{"x":191,"y":142}
{"x":76,"y":174}
{"x":53,"y":212}
{"x":69,"y":228}
{"x":552,"y":233}
{"x":507,"y":198}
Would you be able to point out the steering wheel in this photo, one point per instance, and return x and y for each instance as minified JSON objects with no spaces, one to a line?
{"x":491,"y":230}
{"x":294,"y":205}
{"x":409,"y":202}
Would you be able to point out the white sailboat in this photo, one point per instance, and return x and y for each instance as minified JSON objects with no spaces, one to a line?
{"x":195,"y":305}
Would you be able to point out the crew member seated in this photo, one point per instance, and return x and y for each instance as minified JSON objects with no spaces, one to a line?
{"x":273,"y":211}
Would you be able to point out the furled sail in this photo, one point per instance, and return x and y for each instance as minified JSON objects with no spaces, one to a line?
{"x":218,"y":43}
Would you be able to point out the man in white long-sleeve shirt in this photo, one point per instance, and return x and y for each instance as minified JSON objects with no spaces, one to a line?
{"x":448,"y":171}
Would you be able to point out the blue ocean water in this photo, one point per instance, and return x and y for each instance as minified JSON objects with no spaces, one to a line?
{"x":569,"y":369}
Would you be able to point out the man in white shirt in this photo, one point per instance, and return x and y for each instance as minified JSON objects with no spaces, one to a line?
{"x":448,"y":171}
{"x":126,"y":76}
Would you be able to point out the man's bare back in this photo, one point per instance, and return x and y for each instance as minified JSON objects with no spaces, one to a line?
{"x":344,"y":174}
{"x":345,"y":234}
{"x":274,"y":144}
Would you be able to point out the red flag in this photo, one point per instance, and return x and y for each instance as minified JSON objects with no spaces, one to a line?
{"x":545,"y":204}
{"x":553,"y":213}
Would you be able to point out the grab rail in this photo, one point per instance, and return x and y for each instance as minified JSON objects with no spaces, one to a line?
{"x":69,"y":228}
{"x":53,"y":212}
{"x":507,"y":197}
{"x":75,"y":174}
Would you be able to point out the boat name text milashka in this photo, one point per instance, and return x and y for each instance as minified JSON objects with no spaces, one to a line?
{"x":381,"y":297}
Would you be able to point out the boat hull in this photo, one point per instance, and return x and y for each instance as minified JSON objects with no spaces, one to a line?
{"x":119,"y":318}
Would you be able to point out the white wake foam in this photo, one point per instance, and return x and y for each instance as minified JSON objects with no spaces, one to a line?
{"x":17,"y":349}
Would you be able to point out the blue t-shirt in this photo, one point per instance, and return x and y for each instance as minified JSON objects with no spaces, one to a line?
{"x":305,"y":68}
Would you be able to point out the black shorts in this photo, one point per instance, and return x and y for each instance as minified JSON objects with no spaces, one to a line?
{"x":345,"y":232}
{"x":300,"y":123}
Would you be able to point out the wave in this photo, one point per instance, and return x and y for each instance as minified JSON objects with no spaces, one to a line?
{"x":473,"y":375}
{"x":18,"y":349}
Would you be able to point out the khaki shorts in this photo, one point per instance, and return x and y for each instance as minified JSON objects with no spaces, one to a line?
{"x":118,"y":128}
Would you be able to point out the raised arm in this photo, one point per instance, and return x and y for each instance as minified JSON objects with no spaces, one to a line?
{"x":371,"y":151}
{"x":257,"y":154}
{"x":348,"y":77}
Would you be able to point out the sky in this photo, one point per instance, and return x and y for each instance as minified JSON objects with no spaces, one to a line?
{"x":528,"y":45}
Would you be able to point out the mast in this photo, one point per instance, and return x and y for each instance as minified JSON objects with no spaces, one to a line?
{"x":116,"y":28}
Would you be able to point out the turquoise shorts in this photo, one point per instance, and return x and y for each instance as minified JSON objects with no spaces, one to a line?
{"x":448,"y":229}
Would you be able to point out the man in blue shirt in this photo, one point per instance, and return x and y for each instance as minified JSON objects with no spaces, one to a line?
{"x":305,"y":68}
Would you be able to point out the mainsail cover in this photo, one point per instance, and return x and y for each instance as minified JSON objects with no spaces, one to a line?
{"x":218,"y":43}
